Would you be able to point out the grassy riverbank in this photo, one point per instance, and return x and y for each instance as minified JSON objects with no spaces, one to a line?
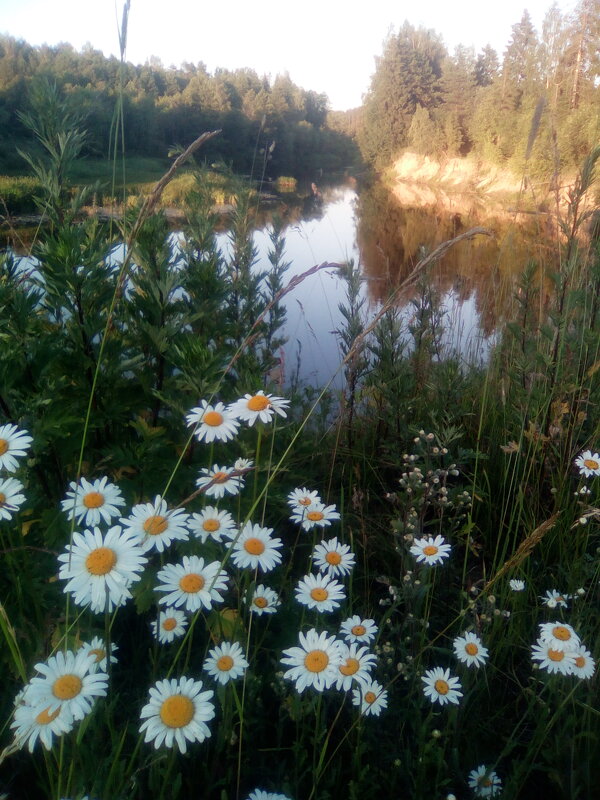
{"x":456,"y":523}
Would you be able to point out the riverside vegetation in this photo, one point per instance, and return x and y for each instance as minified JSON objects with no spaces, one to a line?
{"x":216,"y":584}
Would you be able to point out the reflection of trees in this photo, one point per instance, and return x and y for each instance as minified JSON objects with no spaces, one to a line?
{"x":392,"y":238}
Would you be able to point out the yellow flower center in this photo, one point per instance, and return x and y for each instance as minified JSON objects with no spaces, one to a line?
{"x":99,"y":653}
{"x":370,"y":697}
{"x":211,"y":525}
{"x":471,"y":649}
{"x":319,"y":594}
{"x":220,"y":477}
{"x":561,"y":633}
{"x":177,"y":711}
{"x":213,"y":418}
{"x":2,"y":499}
{"x":430,"y":550}
{"x":191,"y":583}
{"x":93,"y":500}
{"x":315,"y":516}
{"x":3,"y":446}
{"x":66,"y":687}
{"x":44,"y":718}
{"x":261,"y":602}
{"x":358,"y":630}
{"x":156,"y":525}
{"x":258,"y":403}
{"x":316,"y":661}
{"x":169,"y":624}
{"x":590,"y":463}
{"x":225,"y":663}
{"x":555,"y":655}
{"x":351,"y":666}
{"x":441,"y":686}
{"x":580,"y":662}
{"x":485,"y":781}
{"x":254,"y":546}
{"x":100,"y":561}
{"x":304,"y":501}
{"x":333,"y":558}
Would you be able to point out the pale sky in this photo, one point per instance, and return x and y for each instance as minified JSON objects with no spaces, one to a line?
{"x":325,"y":45}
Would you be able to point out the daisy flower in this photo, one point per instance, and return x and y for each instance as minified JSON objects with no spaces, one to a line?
{"x":315,"y":514}
{"x":554,"y":599}
{"x":30,"y":724}
{"x":356,"y":629}
{"x":299,"y":499}
{"x":171,"y":625}
{"x":177,"y":713}
{"x":255,"y":548}
{"x":559,"y":635}
{"x":213,"y":423}
{"x":315,"y":663}
{"x":100,"y":569}
{"x":243,"y":463}
{"x":440,"y":687}
{"x":264,"y":600}
{"x":584,"y":665}
{"x":92,"y":503}
{"x":97,"y":649}
{"x":217,"y":481}
{"x":430,"y":551}
{"x":10,"y":497}
{"x":556,"y":662}
{"x":192,"y":584}
{"x":588,"y":463}
{"x":155,"y":526}
{"x":13,"y":443}
{"x":333,"y":557}
{"x":484,"y":782}
{"x":259,"y":794}
{"x":516,"y":585}
{"x":214,"y":523}
{"x":259,"y":406}
{"x":67,"y":683}
{"x":357,"y":663}
{"x":469,"y":650}
{"x":226,"y":662}
{"x":320,"y":592}
{"x":371,"y":697}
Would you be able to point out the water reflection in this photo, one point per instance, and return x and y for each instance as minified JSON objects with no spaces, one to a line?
{"x":392,"y":237}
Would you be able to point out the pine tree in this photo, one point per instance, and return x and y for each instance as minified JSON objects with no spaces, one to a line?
{"x":407,"y":75}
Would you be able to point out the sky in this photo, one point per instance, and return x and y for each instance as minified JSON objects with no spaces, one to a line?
{"x":325,"y":45}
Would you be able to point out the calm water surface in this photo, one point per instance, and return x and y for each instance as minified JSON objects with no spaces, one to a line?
{"x":475,"y":280}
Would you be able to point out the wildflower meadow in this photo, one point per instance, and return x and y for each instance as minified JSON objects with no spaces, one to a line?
{"x":219,"y":585}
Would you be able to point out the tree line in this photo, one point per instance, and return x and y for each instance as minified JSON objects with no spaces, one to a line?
{"x":273,"y":126}
{"x":537,"y":107}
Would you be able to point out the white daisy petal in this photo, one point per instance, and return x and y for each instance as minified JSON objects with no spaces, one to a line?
{"x":177,"y":713}
{"x":100,"y":570}
{"x":226,"y":662}
{"x":469,"y":650}
{"x":93,"y":503}
{"x":155,"y":526}
{"x":213,"y":422}
{"x":255,"y":548}
{"x":10,"y":497}
{"x":440,"y":687}
{"x":356,"y":629}
{"x":371,"y":697}
{"x":263,"y":601}
{"x":218,"y":481}
{"x":14,"y":444}
{"x":315,"y":663}
{"x":320,"y":592}
{"x":192,"y":584}
{"x":485,"y":782}
{"x":259,"y":406}
{"x":430,"y":551}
